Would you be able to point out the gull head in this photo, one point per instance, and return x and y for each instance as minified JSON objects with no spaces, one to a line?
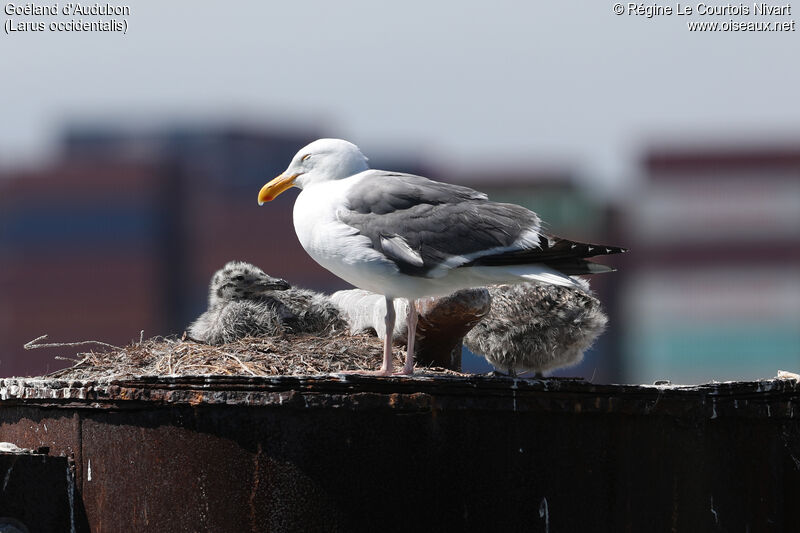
{"x":322,"y":160}
{"x":238,"y":280}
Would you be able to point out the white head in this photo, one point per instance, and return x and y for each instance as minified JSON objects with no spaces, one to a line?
{"x":322,"y":160}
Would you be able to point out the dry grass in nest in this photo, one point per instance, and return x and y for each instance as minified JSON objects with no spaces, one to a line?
{"x":302,"y":354}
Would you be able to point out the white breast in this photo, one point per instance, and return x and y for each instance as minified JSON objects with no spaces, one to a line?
{"x":335,"y":245}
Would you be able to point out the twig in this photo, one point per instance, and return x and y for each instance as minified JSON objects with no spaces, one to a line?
{"x":240,"y":362}
{"x":31,"y":345}
{"x":76,"y":362}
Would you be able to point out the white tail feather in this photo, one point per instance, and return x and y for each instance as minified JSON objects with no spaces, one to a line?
{"x":543,"y":274}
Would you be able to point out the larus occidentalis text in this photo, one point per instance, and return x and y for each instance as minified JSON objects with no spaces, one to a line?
{"x":406,"y":236}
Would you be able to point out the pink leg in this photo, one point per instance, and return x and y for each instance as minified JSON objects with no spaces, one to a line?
{"x":387,"y":367}
{"x":408,"y":368}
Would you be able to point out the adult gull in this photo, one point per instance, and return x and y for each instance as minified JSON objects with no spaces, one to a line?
{"x":406,"y":236}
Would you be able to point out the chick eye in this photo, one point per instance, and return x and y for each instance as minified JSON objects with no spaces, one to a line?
{"x":305,"y":157}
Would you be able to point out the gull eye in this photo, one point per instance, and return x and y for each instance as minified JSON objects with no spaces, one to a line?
{"x":305,"y":157}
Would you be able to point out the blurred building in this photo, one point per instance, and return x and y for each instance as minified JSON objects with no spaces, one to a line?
{"x":79,"y":248}
{"x":123,"y":232}
{"x":713,"y":284}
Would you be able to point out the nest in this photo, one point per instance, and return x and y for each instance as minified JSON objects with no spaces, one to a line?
{"x":287,"y":354}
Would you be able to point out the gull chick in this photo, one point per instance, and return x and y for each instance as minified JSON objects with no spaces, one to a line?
{"x":245,"y":301}
{"x":443,"y":321}
{"x":527,"y":327}
{"x":537,"y":327}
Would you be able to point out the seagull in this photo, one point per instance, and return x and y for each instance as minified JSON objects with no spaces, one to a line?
{"x":406,"y":236}
{"x":245,"y":301}
{"x":537,"y":327}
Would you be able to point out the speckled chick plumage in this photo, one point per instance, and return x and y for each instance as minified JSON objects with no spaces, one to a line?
{"x":244,"y":301}
{"x":537,"y":327}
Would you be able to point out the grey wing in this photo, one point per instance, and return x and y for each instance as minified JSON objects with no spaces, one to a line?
{"x":428,"y":227}
{"x":382,"y":192}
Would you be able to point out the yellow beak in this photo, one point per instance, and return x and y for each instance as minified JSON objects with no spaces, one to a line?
{"x":271,"y":190}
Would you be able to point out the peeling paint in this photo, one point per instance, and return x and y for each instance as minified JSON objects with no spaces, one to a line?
{"x":71,"y":496}
{"x":544,"y":512}
{"x":8,"y":476}
{"x":713,"y":511}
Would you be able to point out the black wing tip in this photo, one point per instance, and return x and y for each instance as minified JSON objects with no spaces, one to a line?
{"x":600,"y":249}
{"x":562,"y":252}
{"x":582,"y":249}
{"x":579,"y":267}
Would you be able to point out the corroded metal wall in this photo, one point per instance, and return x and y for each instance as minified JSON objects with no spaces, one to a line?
{"x":398,"y":454}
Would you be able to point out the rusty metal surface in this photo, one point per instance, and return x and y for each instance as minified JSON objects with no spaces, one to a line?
{"x":395,"y":454}
{"x":33,"y":482}
{"x":770,"y":398}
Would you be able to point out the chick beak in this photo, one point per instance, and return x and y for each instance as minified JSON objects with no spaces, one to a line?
{"x":274,"y":284}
